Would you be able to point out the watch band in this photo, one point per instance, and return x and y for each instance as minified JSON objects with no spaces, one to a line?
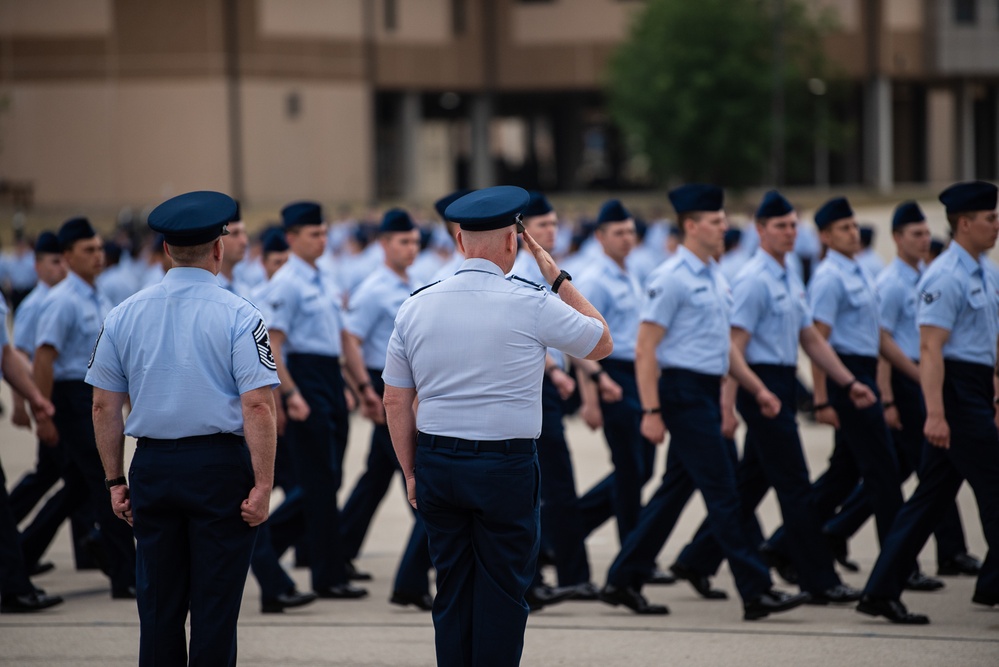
{"x":117,"y":481}
{"x":562,"y":277}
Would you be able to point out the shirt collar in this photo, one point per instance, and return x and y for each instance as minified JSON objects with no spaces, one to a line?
{"x":393,"y":276}
{"x":612,"y":267}
{"x":965,"y":259}
{"x":906,"y":271}
{"x":79,"y":285}
{"x":190,"y":274}
{"x":303,"y":268}
{"x":843,"y":262}
{"x":479,"y":264}
{"x":771,"y":264}
{"x":693,"y":261}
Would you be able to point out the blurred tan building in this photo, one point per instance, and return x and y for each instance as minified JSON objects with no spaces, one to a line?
{"x":112,"y":102}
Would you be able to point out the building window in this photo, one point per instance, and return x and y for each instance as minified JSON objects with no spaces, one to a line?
{"x":459,"y":17}
{"x":965,"y":11}
{"x":391,"y":15}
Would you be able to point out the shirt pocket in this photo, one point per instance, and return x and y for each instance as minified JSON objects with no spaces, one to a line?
{"x":976,"y":297}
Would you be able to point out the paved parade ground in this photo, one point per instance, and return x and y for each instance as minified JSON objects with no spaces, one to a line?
{"x":92,"y":629}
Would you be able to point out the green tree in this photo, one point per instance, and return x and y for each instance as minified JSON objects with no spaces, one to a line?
{"x":692,"y":88}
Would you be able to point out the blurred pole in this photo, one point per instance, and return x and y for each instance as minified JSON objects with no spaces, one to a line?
{"x":818,"y":89}
{"x":230,"y":10}
{"x":370,"y":80}
{"x":410,"y":118}
{"x":777,"y":102}
{"x":482,"y":172}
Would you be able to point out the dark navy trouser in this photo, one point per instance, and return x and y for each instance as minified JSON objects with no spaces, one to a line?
{"x":193,"y":546}
{"x":863,"y":450}
{"x":773,"y":457}
{"x":13,"y":577}
{"x":319,"y":445}
{"x":482,"y":515}
{"x":619,"y":494}
{"x":561,"y":525}
{"x":973,"y":455}
{"x":358,"y":511}
{"x":909,"y":443}
{"x":698,"y":459}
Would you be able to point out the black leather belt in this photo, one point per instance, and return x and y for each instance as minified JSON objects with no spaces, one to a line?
{"x":511,"y":446}
{"x":213,"y":439}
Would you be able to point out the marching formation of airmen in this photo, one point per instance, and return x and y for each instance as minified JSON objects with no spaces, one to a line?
{"x":497,"y":322}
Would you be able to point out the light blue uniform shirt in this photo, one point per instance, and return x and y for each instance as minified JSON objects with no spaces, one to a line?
{"x":769,"y":302}
{"x":304,"y":304}
{"x":71,"y":319}
{"x":117,"y":283}
{"x":959,"y":294}
{"x":26,"y":319}
{"x":236,"y":286}
{"x":617,"y":294}
{"x":184,"y":350}
{"x":842,"y":295}
{"x":526,"y":267}
{"x":898,"y":292}
{"x":691,"y":300}
{"x":474,"y":346}
{"x":371,"y":312}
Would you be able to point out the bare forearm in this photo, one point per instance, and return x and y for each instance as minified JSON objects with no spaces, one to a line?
{"x":284,"y":376}
{"x":109,"y":431}
{"x":742,"y":373}
{"x":401,"y":418}
{"x":356,"y":371}
{"x":575,"y":299}
{"x":43,"y":370}
{"x":260,"y":432}
{"x":18,"y":374}
{"x":893,"y":353}
{"x":931,"y":376}
{"x":821,"y":354}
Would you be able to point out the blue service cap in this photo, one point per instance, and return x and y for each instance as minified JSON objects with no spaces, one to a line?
{"x":835,"y":209}
{"x":490,"y":208}
{"x":866,"y":235}
{"x":773,"y":205}
{"x":238,"y":215}
{"x":112,"y":251}
{"x":905,"y":213}
{"x":47,"y":243}
{"x":936,"y":246}
{"x":538,"y":205}
{"x":273,"y":240}
{"x":302,"y":213}
{"x":193,"y":218}
{"x":73,"y":230}
{"x":732,"y":237}
{"x":969,"y":196}
{"x":612,"y":211}
{"x":442,"y":203}
{"x":697,"y":197}
{"x":396,"y":220}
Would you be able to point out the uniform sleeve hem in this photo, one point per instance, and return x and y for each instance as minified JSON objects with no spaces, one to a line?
{"x":106,"y":386}
{"x":399,"y":382}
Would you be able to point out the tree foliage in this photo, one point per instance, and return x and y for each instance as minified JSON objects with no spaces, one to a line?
{"x":692,"y":87}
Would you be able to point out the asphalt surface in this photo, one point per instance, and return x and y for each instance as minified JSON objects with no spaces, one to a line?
{"x":92,"y":629}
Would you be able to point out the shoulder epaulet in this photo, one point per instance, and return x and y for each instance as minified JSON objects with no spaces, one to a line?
{"x":536,"y":286}
{"x":424,"y":287}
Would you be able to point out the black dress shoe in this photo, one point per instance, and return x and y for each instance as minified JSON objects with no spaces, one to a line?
{"x":959,"y":564}
{"x":840,"y":552}
{"x":779,"y":563}
{"x":700,"y":582}
{"x":773,"y":602}
{"x":632,"y":599}
{"x":289,"y":600}
{"x":343,"y":592}
{"x":661,"y":578}
{"x":41,"y":568}
{"x":33,"y":601}
{"x":422,"y":601}
{"x":893,"y":610}
{"x":918,"y":581}
{"x":126,"y":593}
{"x":838,"y":594}
{"x":586,"y":592}
{"x":539,"y":597}
{"x":353,"y":574}
{"x":987,"y":600}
